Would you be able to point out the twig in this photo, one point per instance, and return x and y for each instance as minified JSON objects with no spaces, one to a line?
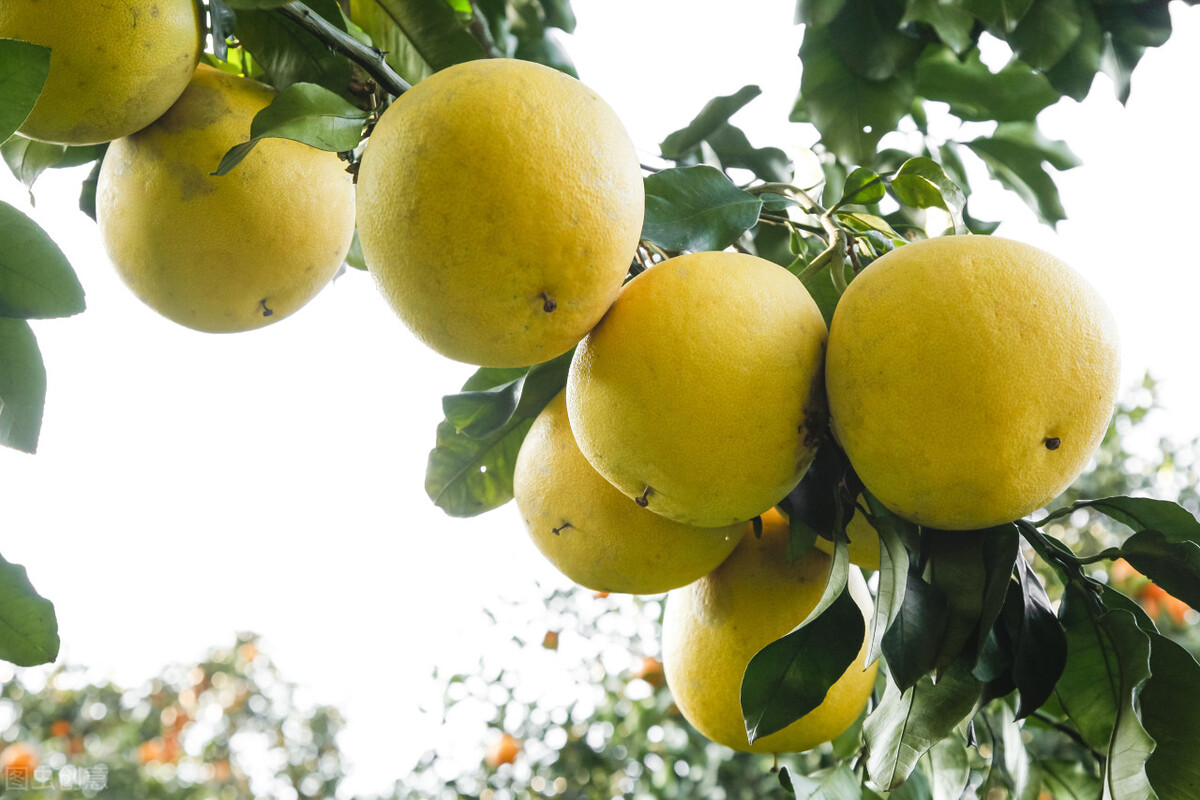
{"x":369,"y":58}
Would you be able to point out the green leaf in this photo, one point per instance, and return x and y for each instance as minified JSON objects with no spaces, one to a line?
{"x":948,"y":768}
{"x":817,"y":13}
{"x":87,"y":190}
{"x":863,"y":187}
{"x":954,"y":25}
{"x":1175,"y":566}
{"x":1074,"y":73}
{"x":696,"y":208}
{"x":715,"y":113}
{"x":306,"y":113}
{"x":1016,"y":155}
{"x":1170,"y":712}
{"x":734,"y":150}
{"x":851,"y":112}
{"x":1088,"y":687}
{"x":913,"y":641}
{"x":28,"y":626}
{"x":28,"y":159}
{"x":905,"y":725}
{"x":893,"y":581}
{"x":922,"y":183}
{"x":23,"y":70}
{"x":1016,"y":93}
{"x":467,"y":476}
{"x":1039,"y":643}
{"x":1174,"y":521}
{"x":1003,"y":15}
{"x":867,"y":36}
{"x":36,"y":280}
{"x":480,"y":413}
{"x":244,"y":4}
{"x":22,"y":386}
{"x":838,"y":783}
{"x":289,"y":54}
{"x":1068,"y":780}
{"x":1130,"y":747}
{"x":1046,"y":32}
{"x":433,"y":31}
{"x":791,"y":676}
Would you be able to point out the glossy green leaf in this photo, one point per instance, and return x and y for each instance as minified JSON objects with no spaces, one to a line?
{"x":976,"y":94}
{"x":1088,"y":689}
{"x":791,"y":676}
{"x":1175,"y":566}
{"x":866,"y":35}
{"x":306,"y":113}
{"x":734,"y":151}
{"x":1039,"y":643}
{"x":1017,"y":155}
{"x":863,"y":187}
{"x":1074,"y":73}
{"x":912,"y":643}
{"x":1174,"y":521}
{"x":905,"y":725}
{"x":714,"y":114}
{"x":922,"y":183}
{"x":27,"y":159}
{"x":852,"y":113}
{"x":22,"y":386}
{"x":28,"y":626}
{"x":1130,"y":747}
{"x":289,"y":54}
{"x":433,"y":31}
{"x":469,"y":475}
{"x":1047,"y":32}
{"x":1003,"y":15}
{"x":953,"y":24}
{"x":23,"y":71}
{"x":1170,"y":712}
{"x":893,"y":583}
{"x":696,"y":208}
{"x":36,"y":280}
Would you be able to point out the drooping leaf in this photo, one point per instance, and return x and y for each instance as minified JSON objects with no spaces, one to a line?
{"x":1039,"y":643}
{"x":791,"y":676}
{"x":22,"y":386}
{"x":431,"y":35}
{"x":289,"y":54}
{"x":893,"y":583}
{"x":466,"y":475}
{"x":1016,"y":93}
{"x":306,"y":113}
{"x":696,"y":208}
{"x":912,"y":643}
{"x":867,"y":36}
{"x":714,"y":114}
{"x":948,"y":767}
{"x":863,"y":187}
{"x":28,"y":159}
{"x":734,"y":150}
{"x":1175,"y":566}
{"x":1174,"y":521}
{"x":36,"y":280}
{"x":1017,"y":155}
{"x":954,"y":25}
{"x":839,"y":783}
{"x":23,"y":70}
{"x":1046,"y":32}
{"x":922,"y":183}
{"x":905,"y":725}
{"x":852,"y":113}
{"x":1088,"y":689}
{"x":1130,"y":747}
{"x":1074,"y":73}
{"x":28,"y":626}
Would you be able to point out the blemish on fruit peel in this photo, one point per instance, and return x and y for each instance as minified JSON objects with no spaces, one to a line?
{"x":1052,"y":442}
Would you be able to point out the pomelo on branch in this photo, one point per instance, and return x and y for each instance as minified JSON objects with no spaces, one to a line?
{"x":970,"y":379}
{"x":700,"y":392}
{"x":713,"y":627}
{"x":115,"y":66}
{"x":593,"y":533}
{"x":500,"y":205}
{"x":222,"y":253}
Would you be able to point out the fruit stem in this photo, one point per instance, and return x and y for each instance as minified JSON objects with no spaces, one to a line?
{"x":369,"y":58}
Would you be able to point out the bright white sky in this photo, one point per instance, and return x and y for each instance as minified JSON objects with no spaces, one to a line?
{"x":189,"y":486}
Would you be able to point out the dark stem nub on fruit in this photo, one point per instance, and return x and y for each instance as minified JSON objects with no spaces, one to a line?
{"x":644,"y":500}
{"x":561,"y":528}
{"x":266,"y":311}
{"x":1052,"y":442}
{"x":548,"y":302}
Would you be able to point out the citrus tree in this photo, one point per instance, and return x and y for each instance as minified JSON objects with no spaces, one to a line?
{"x":822,"y":357}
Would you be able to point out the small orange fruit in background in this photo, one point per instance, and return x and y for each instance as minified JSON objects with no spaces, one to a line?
{"x":18,"y":761}
{"x":502,"y":751}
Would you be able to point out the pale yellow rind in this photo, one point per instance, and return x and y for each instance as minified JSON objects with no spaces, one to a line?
{"x":701,"y":390}
{"x":954,"y":362}
{"x":115,"y":66}
{"x":500,"y":204}
{"x":597,"y":536}
{"x":222,"y":253}
{"x":713,"y":627}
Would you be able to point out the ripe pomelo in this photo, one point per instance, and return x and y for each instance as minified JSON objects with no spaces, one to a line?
{"x":231,"y":252}
{"x":597,"y":536}
{"x":970,"y":379}
{"x":499,"y":207}
{"x":713,"y":627}
{"x":115,"y":66}
{"x":700,"y":392}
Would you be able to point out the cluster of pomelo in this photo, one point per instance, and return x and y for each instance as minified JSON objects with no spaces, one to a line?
{"x":499,"y":207}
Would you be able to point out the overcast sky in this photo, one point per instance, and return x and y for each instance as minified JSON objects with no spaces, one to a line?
{"x":189,"y":486}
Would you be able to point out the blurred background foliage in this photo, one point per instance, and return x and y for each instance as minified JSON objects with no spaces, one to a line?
{"x":232,"y":727}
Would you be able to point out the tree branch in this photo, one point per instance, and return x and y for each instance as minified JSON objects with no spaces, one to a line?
{"x":369,"y":58}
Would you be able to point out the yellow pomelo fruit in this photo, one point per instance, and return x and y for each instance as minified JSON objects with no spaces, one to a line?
{"x":700,"y":393}
{"x":713,"y":627}
{"x":597,"y":536}
{"x":222,"y":253}
{"x":970,"y":378}
{"x":115,"y":66}
{"x":500,"y":204}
